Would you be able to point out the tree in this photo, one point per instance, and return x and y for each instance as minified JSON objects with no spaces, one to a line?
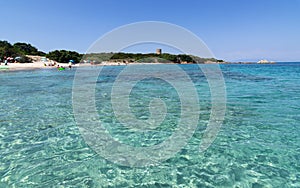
{"x":27,"y":49}
{"x":170,"y":57}
{"x":186,"y":58}
{"x":64,"y":56}
{"x":19,"y":50}
{"x":6,"y":49}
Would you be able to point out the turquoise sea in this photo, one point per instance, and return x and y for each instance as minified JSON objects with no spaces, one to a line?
{"x":257,"y":146}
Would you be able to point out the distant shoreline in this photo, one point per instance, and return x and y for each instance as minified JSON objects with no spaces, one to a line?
{"x":41,"y":65}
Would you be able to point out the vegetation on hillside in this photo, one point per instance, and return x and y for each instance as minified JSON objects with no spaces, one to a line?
{"x":64,"y":56}
{"x":146,"y":58}
{"x":27,"y":49}
{"x":20,"y":50}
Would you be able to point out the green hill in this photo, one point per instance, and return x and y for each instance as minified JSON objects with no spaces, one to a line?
{"x":21,"y":50}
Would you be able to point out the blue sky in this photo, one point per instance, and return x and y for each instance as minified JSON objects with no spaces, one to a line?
{"x":233,"y":29}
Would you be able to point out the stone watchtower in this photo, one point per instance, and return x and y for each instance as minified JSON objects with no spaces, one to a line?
{"x":158,"y":51}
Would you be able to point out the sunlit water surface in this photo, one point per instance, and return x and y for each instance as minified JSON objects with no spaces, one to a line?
{"x":257,"y":146}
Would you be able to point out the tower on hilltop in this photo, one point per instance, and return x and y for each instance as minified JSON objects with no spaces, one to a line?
{"x":158,"y":51}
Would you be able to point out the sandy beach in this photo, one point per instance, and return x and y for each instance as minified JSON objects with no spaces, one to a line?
{"x":27,"y":66}
{"x":45,"y":65}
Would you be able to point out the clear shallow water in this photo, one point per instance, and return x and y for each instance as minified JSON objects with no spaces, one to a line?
{"x":257,"y":146}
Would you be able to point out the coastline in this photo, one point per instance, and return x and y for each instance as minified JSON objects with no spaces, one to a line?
{"x":41,"y":65}
{"x":29,"y":66}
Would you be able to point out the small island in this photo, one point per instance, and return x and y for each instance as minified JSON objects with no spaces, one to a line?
{"x":264,"y":61}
